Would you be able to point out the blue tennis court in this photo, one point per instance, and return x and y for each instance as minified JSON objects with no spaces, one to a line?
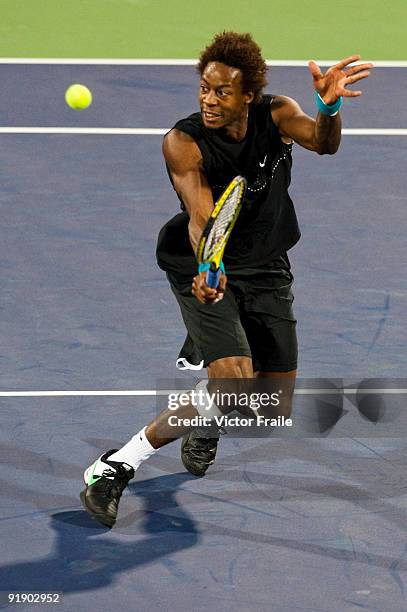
{"x":90,"y":330}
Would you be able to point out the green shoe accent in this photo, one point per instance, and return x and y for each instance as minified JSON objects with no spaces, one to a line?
{"x":92,"y":478}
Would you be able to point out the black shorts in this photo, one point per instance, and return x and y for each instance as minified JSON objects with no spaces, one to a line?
{"x":254,"y":319}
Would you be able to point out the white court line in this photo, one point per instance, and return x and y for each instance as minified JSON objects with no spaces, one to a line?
{"x":85,"y":130}
{"x":154,"y":392}
{"x":179,"y":62}
{"x":162,"y":131}
{"x":374,"y":132}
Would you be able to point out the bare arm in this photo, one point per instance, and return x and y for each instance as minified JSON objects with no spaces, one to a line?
{"x":184,"y":160}
{"x":322,"y":134}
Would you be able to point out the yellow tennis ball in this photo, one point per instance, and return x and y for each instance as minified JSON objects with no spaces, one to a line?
{"x":78,"y":96}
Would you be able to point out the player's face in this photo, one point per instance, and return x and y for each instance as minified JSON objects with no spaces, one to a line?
{"x":222,"y":102}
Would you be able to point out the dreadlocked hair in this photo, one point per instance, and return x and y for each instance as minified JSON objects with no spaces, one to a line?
{"x":238,"y":51}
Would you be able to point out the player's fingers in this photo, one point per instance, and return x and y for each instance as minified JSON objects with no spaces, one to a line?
{"x":315,"y":70}
{"x":358,"y":68}
{"x":357,"y":77}
{"x":198,"y":296}
{"x":214,"y":296}
{"x":199,"y":283}
{"x":197,"y":289}
{"x":222,"y":283}
{"x":348,"y":93}
{"x":212,"y":299}
{"x":219,"y":297}
{"x":205,"y":294}
{"x":203,"y":298}
{"x":209,"y":293}
{"x":347,"y":61}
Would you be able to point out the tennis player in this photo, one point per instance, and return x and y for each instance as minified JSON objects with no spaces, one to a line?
{"x":245,"y":327}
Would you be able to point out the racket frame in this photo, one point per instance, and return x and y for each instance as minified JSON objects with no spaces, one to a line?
{"x":215,"y":258}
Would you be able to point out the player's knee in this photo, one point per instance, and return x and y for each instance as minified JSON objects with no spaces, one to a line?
{"x":231,"y":367}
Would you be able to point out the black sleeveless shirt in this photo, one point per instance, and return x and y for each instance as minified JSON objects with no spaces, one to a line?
{"x":267,"y":225}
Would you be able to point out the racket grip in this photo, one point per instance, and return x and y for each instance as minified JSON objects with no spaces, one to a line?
{"x":212,"y":278}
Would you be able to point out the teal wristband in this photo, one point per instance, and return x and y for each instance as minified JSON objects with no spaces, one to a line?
{"x":204,"y":267}
{"x":328,"y":109}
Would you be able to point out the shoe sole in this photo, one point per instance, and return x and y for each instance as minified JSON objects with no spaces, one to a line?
{"x":94,"y":515}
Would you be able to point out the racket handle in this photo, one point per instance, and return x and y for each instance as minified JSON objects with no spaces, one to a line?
{"x":212,"y":278}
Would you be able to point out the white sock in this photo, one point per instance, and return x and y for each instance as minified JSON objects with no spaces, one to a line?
{"x":137,"y":450}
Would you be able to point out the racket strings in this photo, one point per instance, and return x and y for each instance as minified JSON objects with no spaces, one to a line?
{"x":219,"y":231}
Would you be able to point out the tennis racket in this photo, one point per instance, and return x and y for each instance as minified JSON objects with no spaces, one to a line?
{"x":219,"y":227}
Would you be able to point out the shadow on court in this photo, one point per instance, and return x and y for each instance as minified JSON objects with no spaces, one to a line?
{"x":245,"y":506}
{"x":80,"y":560}
{"x":376,"y":402}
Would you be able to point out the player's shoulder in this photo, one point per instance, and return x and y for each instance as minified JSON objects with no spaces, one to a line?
{"x":183,"y":138}
{"x":261,"y":107}
{"x":191,"y":125}
{"x":269,"y":108}
{"x":264,"y":101}
{"x":282,"y":106}
{"x":180,"y":148}
{"x":177,"y":138}
{"x":261,"y":116}
{"x":186,"y":130}
{"x":284,"y":109}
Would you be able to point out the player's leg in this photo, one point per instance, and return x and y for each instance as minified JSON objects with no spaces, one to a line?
{"x":270,"y":326}
{"x":217,"y":334}
{"x":217,"y":340}
{"x":282,"y":383}
{"x":160,"y":432}
{"x":199,"y":446}
{"x":108,"y":476}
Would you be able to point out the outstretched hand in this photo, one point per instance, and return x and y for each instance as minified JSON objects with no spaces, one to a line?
{"x":334,"y":82}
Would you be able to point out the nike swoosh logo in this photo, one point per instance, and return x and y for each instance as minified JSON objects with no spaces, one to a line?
{"x":264,"y":163}
{"x":93,"y":478}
